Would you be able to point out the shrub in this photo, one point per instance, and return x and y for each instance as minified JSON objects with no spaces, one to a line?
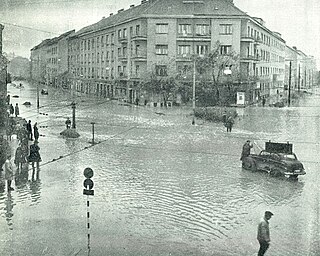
{"x":215,"y":114}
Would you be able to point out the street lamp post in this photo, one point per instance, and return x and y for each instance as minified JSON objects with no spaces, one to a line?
{"x":194,"y":90}
{"x":289,"y":86}
{"x":38,"y":103}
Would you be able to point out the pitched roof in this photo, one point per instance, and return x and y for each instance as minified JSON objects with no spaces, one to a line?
{"x":158,"y":8}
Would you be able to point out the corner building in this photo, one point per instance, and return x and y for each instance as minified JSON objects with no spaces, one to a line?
{"x":111,"y":57}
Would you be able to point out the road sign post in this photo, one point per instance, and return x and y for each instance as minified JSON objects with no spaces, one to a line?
{"x":88,"y":184}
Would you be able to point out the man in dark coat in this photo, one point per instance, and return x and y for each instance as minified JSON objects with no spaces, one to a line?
{"x":29,"y":129}
{"x":264,"y":233}
{"x":246,"y":149}
{"x":229,"y":123}
{"x":16,"y":110}
{"x":36,"y":132}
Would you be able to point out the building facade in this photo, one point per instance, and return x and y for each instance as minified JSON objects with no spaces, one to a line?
{"x":3,"y":84}
{"x":49,"y":61}
{"x":160,"y":38}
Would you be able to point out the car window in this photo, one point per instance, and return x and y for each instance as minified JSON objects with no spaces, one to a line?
{"x":290,"y":157}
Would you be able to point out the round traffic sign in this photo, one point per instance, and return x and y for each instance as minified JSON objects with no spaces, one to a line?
{"x":88,"y":173}
{"x":88,"y":183}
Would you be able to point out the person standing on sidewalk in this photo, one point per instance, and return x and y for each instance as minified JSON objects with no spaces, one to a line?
{"x":36,"y":132}
{"x":68,"y":123}
{"x":34,"y":154}
{"x":11,"y":110}
{"x":229,"y":123}
{"x":8,"y":172}
{"x":29,"y":129}
{"x":19,"y":158}
{"x":16,"y":110}
{"x":264,"y":233}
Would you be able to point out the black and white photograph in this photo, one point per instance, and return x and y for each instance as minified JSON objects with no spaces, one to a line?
{"x":159,"y":127}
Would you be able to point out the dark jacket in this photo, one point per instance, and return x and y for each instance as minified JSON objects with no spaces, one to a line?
{"x":263,"y":231}
{"x":246,"y":150}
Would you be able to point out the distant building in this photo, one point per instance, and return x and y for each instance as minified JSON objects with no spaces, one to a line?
{"x":49,"y":60}
{"x":113,"y":56}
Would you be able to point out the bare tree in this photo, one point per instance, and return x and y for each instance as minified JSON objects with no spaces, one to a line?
{"x":212,"y":65}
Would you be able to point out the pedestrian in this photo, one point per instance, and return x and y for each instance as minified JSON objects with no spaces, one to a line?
{"x":11,"y":109}
{"x":229,"y":123}
{"x":19,"y":158}
{"x":29,"y":129}
{"x":68,"y":123}
{"x":264,"y":233}
{"x":34,"y":154}
{"x":36,"y":132}
{"x":263,"y":101}
{"x":16,"y":110}
{"x":8,"y":172}
{"x":246,"y":149}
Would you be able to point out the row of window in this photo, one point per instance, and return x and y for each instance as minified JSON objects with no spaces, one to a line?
{"x":104,"y":40}
{"x":161,"y":28}
{"x":105,"y":73}
{"x":270,"y":71}
{"x":265,"y":39}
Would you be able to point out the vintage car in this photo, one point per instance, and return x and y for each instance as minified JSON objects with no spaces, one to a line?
{"x":277,"y":159}
{"x":44,"y":92}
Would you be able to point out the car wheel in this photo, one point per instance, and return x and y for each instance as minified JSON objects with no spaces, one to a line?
{"x":275,"y":173}
{"x":249,"y":164}
{"x":293,"y":177}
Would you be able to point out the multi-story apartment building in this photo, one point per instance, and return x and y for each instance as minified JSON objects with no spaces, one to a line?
{"x":3,"y":85}
{"x":161,"y":38}
{"x":3,"y":69}
{"x":303,"y":69}
{"x":49,"y":60}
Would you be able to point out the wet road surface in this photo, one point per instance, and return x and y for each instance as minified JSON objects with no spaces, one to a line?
{"x":162,"y":186}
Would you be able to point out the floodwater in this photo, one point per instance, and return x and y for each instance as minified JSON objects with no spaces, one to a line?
{"x":162,"y":186}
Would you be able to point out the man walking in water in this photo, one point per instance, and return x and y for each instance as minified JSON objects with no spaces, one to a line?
{"x":264,"y":233}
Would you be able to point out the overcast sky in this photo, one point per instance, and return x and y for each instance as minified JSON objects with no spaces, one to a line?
{"x":297,"y":20}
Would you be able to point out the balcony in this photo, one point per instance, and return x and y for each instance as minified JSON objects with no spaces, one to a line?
{"x":139,"y":37}
{"x":247,"y":38}
{"x":123,"y":40}
{"x":250,"y":58}
{"x":184,"y":57}
{"x":194,"y":38}
{"x":139,"y":57}
{"x":123,"y":57}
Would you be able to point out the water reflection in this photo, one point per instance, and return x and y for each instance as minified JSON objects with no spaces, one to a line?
{"x":9,"y":210}
{"x":35,"y":185}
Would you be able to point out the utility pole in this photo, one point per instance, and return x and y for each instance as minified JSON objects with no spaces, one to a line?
{"x":299,"y":77}
{"x":305,"y":77}
{"x":38,"y":103}
{"x":93,"y":133}
{"x":73,"y":104}
{"x":289,"y":89}
{"x":194,"y":69}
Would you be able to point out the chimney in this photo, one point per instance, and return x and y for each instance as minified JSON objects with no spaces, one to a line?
{"x":111,"y":14}
{"x":294,"y":47}
{"x":131,"y":6}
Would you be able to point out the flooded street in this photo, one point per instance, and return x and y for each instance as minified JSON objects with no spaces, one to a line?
{"x":162,"y":186}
